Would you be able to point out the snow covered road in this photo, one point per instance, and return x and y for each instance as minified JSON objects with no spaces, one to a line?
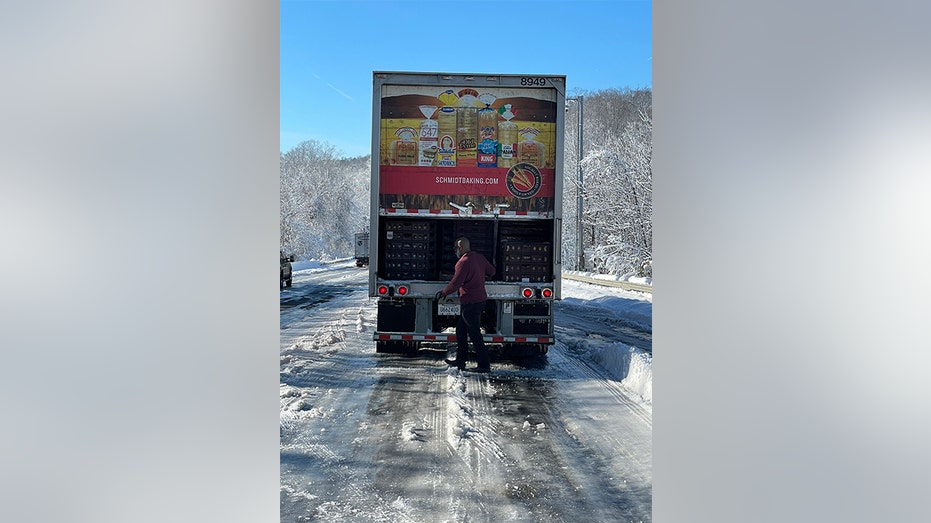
{"x":386,"y":437}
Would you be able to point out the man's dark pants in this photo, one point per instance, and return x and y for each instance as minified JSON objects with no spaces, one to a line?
{"x":470,"y":322}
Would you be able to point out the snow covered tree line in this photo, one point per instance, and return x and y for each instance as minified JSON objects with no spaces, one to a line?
{"x":325,"y":198}
{"x":324,"y":201}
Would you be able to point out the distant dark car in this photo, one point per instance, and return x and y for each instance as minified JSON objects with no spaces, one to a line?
{"x":285,"y":269}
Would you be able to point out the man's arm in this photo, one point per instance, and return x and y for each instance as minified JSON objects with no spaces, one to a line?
{"x":456,"y":282}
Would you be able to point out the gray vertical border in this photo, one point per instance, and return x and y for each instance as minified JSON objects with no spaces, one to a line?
{"x":139,"y":158}
{"x":790,"y":220}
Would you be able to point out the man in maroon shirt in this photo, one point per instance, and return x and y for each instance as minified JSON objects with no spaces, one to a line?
{"x":469,"y":281}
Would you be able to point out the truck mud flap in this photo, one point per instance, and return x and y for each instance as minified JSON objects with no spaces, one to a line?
{"x":396,"y":315}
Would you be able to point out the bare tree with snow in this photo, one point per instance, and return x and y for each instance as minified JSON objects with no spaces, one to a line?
{"x":618,"y":182}
{"x":323,"y":201}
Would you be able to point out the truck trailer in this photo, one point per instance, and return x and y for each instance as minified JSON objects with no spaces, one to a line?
{"x":474,"y":155}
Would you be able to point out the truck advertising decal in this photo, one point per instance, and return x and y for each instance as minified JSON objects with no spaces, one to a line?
{"x":494,"y":148}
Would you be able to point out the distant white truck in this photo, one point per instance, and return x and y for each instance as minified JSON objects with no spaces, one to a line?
{"x":362,"y":249}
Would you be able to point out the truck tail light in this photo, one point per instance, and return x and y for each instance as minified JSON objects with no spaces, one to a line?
{"x":527,"y":292}
{"x":402,"y":290}
{"x":547,"y":293}
{"x":382,"y":290}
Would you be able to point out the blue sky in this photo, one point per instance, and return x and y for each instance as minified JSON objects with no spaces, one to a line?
{"x":329,"y":49}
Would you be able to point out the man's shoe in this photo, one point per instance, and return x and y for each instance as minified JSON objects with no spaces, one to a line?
{"x":454,"y":363}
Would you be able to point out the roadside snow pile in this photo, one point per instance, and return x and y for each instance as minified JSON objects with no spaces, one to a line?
{"x":632,"y":366}
{"x":328,"y":338}
{"x":295,"y":399}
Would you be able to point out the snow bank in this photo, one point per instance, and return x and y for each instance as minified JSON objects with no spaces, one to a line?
{"x":307,"y":264}
{"x":632,"y":366}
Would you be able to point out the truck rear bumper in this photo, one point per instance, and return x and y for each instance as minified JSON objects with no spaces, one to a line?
{"x":489,"y":338}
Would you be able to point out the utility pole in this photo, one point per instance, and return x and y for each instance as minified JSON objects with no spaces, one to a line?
{"x":580,"y":251}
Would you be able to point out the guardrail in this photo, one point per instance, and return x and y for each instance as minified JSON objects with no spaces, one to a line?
{"x":622,"y":284}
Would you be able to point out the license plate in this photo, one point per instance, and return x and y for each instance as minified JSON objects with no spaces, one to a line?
{"x":447,"y":309}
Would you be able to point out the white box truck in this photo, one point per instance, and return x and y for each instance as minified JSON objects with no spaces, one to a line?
{"x":362,"y":249}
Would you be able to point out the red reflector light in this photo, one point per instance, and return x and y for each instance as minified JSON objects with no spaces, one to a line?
{"x":547,"y":293}
{"x":402,"y":290}
{"x":383,"y":290}
{"x":528,"y":292}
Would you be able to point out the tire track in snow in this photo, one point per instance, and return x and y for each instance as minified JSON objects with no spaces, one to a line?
{"x":468,"y":409}
{"x":472,"y":436}
{"x":556,"y":474}
{"x":416,"y":471}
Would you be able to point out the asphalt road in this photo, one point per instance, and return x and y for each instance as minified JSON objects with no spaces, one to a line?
{"x":385,"y":437}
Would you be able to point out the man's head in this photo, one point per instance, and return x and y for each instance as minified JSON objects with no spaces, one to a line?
{"x":462,"y":246}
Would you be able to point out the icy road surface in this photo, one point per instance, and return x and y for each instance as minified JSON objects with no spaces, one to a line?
{"x":380,"y":437}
